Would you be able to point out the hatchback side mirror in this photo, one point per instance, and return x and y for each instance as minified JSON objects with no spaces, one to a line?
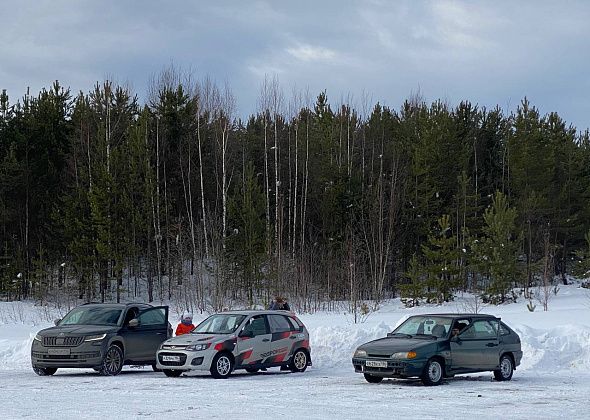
{"x":56,"y":321}
{"x":133,"y":323}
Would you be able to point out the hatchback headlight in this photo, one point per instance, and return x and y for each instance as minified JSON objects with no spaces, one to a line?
{"x":360,"y":353}
{"x":97,"y":337}
{"x":198,"y":347}
{"x":404,"y":355}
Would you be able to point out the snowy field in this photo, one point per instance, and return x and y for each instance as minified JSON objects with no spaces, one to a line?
{"x":553,"y":380}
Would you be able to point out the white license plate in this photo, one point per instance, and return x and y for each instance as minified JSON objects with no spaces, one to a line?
{"x":376,"y":363}
{"x":171,"y":358}
{"x":58,"y":352}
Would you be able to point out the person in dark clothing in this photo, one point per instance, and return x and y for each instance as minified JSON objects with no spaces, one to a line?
{"x":279,"y":304}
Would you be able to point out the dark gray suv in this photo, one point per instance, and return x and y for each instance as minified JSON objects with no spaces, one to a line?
{"x":102,"y":336}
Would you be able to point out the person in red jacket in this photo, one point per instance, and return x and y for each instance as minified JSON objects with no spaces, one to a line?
{"x":186,"y":324}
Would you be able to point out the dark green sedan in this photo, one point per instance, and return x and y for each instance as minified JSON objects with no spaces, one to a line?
{"x":434,"y":346}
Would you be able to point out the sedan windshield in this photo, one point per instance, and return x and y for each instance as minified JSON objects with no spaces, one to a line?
{"x":219,"y":324}
{"x":92,"y":316}
{"x":433,"y":326}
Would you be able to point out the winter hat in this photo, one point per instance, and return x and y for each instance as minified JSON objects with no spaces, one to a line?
{"x":187,"y":316}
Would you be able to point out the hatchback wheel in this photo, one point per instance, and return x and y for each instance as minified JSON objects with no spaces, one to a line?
{"x":172,"y":373}
{"x":299,"y":361}
{"x":221,"y":366}
{"x":113,"y":361}
{"x":433,"y":373}
{"x":506,"y":369}
{"x":44,"y":371}
{"x":373,"y":379}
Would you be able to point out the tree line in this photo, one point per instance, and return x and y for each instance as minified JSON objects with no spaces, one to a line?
{"x":177,"y":198}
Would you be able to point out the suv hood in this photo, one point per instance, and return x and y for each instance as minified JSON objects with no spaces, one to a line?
{"x":389,"y":345}
{"x":77,"y":330}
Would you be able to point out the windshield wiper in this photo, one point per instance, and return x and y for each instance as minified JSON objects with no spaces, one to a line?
{"x":398,"y":334}
{"x":425,"y":335}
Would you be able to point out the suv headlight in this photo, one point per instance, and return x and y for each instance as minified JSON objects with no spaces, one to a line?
{"x":97,"y":337}
{"x":198,"y":347}
{"x":404,"y":355}
{"x":38,"y":337}
{"x":360,"y":353}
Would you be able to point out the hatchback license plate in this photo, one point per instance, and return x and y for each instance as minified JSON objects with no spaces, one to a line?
{"x":171,"y":358}
{"x":376,"y":363}
{"x":58,"y":352}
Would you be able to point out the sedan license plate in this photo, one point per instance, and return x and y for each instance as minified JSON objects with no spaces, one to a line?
{"x":171,"y":358}
{"x":58,"y":352}
{"x":376,"y":363}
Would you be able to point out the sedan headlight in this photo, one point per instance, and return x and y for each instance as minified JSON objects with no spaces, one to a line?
{"x":198,"y":347}
{"x":360,"y":353}
{"x":97,"y":337}
{"x":38,"y":337}
{"x":404,"y":355}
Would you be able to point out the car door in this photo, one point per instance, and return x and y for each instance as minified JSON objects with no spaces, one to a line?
{"x":477,"y":347}
{"x":144,"y":339}
{"x":281,"y":342}
{"x":254,"y":342}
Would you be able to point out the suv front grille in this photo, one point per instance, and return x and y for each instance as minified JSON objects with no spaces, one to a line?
{"x":62,"y":341}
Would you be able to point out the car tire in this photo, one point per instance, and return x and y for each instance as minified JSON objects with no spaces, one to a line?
{"x":222,"y":366}
{"x":44,"y":371}
{"x":113,"y":361}
{"x":172,"y":373}
{"x":433,"y":373}
{"x":506,"y":369}
{"x":372,"y":379}
{"x":252,"y":370}
{"x":299,"y":361}
{"x":155,"y":368}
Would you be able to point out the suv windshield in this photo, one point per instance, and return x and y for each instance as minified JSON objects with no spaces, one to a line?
{"x":219,"y":324}
{"x":425,"y":325}
{"x":92,"y":316}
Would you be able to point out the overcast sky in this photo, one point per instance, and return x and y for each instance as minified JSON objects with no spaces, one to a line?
{"x":489,"y":52}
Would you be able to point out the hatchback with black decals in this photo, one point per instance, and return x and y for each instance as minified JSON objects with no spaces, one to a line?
{"x":249,"y":340}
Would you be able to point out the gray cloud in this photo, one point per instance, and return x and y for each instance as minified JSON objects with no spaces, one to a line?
{"x":492,"y":53}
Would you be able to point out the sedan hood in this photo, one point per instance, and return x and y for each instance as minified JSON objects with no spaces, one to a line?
{"x":389,"y":345}
{"x":188,"y":339}
{"x":77,"y":330}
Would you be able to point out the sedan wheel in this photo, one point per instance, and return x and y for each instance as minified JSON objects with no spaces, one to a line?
{"x":506,"y":369}
{"x":113,"y":361}
{"x":299,"y":361}
{"x":433,"y":373}
{"x":44,"y":371}
{"x":221,"y":366}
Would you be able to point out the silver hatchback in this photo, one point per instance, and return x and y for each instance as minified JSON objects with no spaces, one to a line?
{"x":250,"y":340}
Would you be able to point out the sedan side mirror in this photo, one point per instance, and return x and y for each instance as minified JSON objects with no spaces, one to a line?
{"x":133,"y":323}
{"x":56,"y":321}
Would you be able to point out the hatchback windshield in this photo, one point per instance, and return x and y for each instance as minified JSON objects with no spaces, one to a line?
{"x":219,"y":324}
{"x":92,"y":316}
{"x":424,"y":325}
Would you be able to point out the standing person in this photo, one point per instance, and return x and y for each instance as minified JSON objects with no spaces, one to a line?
{"x":279,"y":304}
{"x":186,"y":324}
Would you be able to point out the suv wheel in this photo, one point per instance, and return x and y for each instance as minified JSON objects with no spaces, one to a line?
{"x":172,"y":373}
{"x":44,"y":371}
{"x":221,"y":366}
{"x":299,"y":361}
{"x":113,"y":361}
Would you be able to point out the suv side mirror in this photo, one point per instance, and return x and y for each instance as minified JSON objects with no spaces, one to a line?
{"x":56,"y":321}
{"x":133,"y":323}
{"x":247,"y":333}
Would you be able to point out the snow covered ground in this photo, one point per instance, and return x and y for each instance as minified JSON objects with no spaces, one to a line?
{"x":553,"y":380}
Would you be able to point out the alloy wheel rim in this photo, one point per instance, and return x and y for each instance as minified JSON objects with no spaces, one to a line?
{"x":300,"y":360}
{"x":223,"y":365}
{"x":113,"y":360}
{"x":434,"y":372}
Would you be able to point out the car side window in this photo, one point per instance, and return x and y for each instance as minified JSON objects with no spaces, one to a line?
{"x":257,"y":325}
{"x":504,"y":329}
{"x":295,"y":324}
{"x":155,"y":316}
{"x":131,"y":314}
{"x":483,"y":329}
{"x":278,"y":323}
